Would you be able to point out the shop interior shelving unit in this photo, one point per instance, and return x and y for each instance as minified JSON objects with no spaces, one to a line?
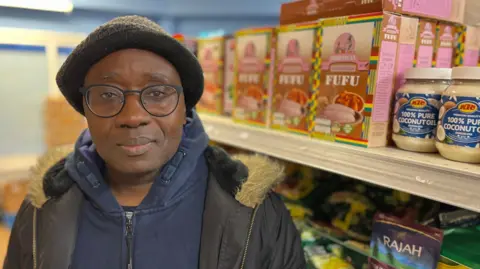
{"x":426,"y":175}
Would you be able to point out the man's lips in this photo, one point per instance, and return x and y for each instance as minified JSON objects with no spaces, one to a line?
{"x":136,"y":146}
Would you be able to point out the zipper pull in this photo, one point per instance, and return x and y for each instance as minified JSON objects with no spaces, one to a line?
{"x":129,"y":217}
{"x":129,"y":235}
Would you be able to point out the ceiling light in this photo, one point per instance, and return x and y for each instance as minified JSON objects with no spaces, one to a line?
{"x":46,"y":5}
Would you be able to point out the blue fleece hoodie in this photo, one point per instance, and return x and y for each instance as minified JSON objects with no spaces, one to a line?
{"x":163,"y":231}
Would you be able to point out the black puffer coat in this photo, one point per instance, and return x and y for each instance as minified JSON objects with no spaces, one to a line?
{"x":245,"y":225}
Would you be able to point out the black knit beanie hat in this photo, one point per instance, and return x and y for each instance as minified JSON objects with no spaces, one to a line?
{"x":128,"y":32}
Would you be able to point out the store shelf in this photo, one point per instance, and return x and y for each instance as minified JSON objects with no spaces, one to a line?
{"x":426,"y":175}
{"x":16,"y":167}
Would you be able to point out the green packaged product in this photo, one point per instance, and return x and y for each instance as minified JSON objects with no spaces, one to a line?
{"x":462,"y":245}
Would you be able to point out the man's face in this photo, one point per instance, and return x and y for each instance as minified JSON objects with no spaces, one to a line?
{"x":134,"y":141}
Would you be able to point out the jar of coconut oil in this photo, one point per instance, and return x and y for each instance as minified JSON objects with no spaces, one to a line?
{"x":417,"y":105}
{"x":458,"y":133}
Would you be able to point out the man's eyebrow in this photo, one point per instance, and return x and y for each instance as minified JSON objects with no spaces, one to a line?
{"x":158,"y":77}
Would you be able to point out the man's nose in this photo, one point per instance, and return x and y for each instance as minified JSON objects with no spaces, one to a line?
{"x":133,"y":114}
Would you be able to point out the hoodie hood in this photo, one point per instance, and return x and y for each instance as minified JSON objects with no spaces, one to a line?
{"x":49,"y":182}
{"x":173,"y":181}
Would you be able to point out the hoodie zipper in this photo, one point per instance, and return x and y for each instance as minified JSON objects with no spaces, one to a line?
{"x":250,"y":229}
{"x":129,"y":238}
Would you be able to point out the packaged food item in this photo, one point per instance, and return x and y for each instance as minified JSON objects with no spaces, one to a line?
{"x":189,"y":42}
{"x":444,"y":45}
{"x":210,"y":56}
{"x":471,"y":11}
{"x":299,"y":182}
{"x":357,"y":77}
{"x":321,"y":258}
{"x":467,"y":45}
{"x":255,"y":54}
{"x":416,"y":108}
{"x":460,"y":248}
{"x":63,"y":124}
{"x":300,"y":190}
{"x":445,"y":10}
{"x":425,"y":43}
{"x":460,"y":218}
{"x":297,"y":46}
{"x":406,"y":51}
{"x":311,"y":10}
{"x":399,"y":244}
{"x":323,"y":253}
{"x":446,"y":263}
{"x":229,"y":74}
{"x":396,"y":203}
{"x":458,"y":131}
{"x":352,"y":213}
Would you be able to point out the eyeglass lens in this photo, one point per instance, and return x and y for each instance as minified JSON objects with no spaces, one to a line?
{"x":106,"y":101}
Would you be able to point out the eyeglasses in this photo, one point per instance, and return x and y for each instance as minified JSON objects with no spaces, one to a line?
{"x":107,"y":101}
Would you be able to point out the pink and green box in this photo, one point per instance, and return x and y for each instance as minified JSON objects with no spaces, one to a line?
{"x":254,"y":66}
{"x":467,"y":45}
{"x":359,"y":58}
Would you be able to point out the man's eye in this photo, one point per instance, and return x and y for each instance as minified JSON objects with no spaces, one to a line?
{"x":156,"y":94}
{"x":108,"y":95}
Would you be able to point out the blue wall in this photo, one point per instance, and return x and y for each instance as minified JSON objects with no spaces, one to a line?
{"x":186,"y":16}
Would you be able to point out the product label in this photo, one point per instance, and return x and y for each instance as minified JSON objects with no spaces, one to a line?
{"x":406,"y":54}
{"x":404,"y":245}
{"x":425,"y":43}
{"x":416,"y":115}
{"x":342,"y":98}
{"x":406,"y":49}
{"x":210,"y":56}
{"x":459,"y":121}
{"x":387,"y":59}
{"x":471,"y":46}
{"x":444,"y":58}
{"x":470,"y":58}
{"x":444,"y":46}
{"x":251,"y":77}
{"x":292,"y":89}
{"x":229,"y":76}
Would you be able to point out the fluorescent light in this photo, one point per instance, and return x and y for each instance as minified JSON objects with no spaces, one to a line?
{"x":46,"y":5}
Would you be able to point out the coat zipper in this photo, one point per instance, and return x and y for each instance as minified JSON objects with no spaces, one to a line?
{"x":34,"y":233}
{"x":129,"y":238}
{"x":250,"y":229}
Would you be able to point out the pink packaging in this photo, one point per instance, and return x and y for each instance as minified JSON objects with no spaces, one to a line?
{"x":467,"y":45}
{"x":360,"y":56}
{"x":444,"y":45}
{"x":406,"y":49}
{"x":445,"y":10}
{"x":228,"y":87}
{"x":425,"y":46}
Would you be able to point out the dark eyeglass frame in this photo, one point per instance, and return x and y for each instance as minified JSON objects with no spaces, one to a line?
{"x":84,"y":91}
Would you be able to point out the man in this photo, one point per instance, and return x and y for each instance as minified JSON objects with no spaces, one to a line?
{"x":142,"y":189}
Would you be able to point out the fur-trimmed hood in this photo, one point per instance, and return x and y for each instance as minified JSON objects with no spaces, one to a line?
{"x":248,"y":177}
